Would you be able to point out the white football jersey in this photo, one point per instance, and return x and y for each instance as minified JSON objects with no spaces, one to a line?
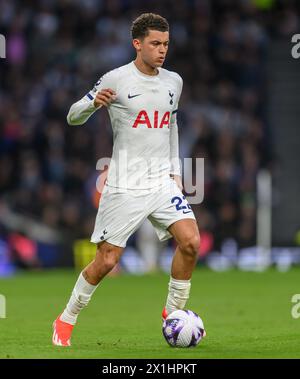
{"x":143,"y":119}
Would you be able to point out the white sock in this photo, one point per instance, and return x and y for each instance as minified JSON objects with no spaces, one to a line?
{"x":80,"y":298}
{"x":179,"y":291}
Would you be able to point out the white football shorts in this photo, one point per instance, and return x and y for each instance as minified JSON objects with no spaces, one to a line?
{"x":121,"y":212}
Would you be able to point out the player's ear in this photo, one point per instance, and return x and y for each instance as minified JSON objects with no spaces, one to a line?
{"x":136,"y":44}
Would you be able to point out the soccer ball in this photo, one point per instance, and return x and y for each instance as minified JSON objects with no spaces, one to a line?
{"x":183,"y":328}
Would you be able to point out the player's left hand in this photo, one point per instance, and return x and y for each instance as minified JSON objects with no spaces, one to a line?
{"x":178,"y":181}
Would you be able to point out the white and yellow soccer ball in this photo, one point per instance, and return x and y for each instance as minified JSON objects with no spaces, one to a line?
{"x":183,"y":328}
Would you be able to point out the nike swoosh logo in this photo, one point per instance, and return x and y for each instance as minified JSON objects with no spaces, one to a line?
{"x":131,"y":96}
{"x":186,"y":212}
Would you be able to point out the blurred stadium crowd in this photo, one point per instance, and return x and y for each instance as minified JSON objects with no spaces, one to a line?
{"x":56,"y":51}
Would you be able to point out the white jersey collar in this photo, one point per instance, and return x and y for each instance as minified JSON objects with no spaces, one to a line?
{"x":145,"y":76}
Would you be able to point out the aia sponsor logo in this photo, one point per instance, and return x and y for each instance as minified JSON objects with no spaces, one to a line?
{"x":158,"y":122}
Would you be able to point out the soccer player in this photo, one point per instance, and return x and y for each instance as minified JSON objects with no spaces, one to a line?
{"x":144,"y":176}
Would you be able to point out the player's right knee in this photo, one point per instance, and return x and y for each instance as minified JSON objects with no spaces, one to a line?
{"x":111,"y":261}
{"x":108,"y":259}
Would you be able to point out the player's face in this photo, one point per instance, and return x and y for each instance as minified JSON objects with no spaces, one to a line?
{"x":153,"y":48}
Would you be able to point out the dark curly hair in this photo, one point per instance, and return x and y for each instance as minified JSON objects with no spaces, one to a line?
{"x":148,"y":21}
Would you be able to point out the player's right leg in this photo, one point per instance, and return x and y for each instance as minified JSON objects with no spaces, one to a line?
{"x":107,"y":256}
{"x":118,"y":217}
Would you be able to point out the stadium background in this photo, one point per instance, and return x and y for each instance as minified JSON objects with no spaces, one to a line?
{"x":239,"y":110}
{"x":238,"y":96}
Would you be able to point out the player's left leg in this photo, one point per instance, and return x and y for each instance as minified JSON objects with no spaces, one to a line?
{"x":187,"y":236}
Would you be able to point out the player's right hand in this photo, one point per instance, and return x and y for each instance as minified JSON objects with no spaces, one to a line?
{"x":104,"y":97}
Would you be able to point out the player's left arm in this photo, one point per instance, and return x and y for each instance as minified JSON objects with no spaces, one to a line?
{"x":175,"y":172}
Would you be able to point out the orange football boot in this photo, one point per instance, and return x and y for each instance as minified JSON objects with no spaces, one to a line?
{"x":61,"y":333}
{"x":164,"y":314}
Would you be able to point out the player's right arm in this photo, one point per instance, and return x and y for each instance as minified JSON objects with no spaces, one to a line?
{"x":103,"y":94}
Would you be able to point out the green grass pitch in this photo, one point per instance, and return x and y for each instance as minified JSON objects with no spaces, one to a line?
{"x":246,"y":315}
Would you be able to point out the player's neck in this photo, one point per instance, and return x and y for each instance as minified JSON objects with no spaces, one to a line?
{"x":145,"y":68}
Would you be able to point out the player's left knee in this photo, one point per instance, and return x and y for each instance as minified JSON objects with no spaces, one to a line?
{"x":191,"y":245}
